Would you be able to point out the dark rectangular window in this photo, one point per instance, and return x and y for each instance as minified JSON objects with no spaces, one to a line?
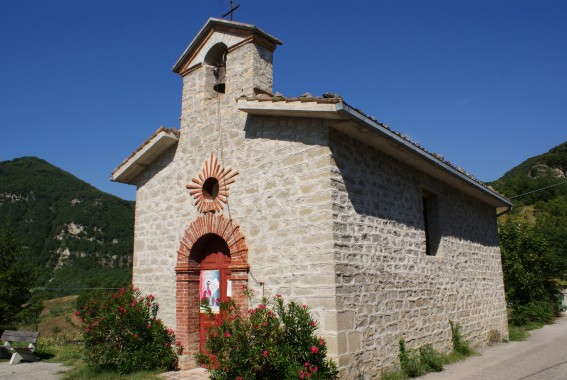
{"x":431,"y":222}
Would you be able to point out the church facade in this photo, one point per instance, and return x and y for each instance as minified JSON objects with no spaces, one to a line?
{"x":308,"y":198}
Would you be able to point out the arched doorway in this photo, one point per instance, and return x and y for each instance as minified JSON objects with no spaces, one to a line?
{"x":212,"y":242}
{"x":213,"y":256}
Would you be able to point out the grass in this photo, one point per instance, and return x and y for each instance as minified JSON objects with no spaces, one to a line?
{"x":71,"y":355}
{"x":447,"y":358}
{"x":57,"y":320}
{"x":520,"y":333}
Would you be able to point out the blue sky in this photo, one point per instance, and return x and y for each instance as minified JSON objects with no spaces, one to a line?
{"x":484,"y":82}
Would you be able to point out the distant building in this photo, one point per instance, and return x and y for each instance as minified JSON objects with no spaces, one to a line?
{"x":314,"y":200}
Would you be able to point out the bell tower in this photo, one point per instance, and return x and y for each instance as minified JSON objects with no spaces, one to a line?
{"x":227,"y":59}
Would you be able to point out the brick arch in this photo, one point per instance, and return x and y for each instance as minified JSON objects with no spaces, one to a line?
{"x":217,"y":224}
{"x":188,"y":271}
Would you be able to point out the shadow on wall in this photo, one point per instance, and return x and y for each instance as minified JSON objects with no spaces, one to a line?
{"x":295,"y":129}
{"x":379,"y":186}
{"x":372,"y":184}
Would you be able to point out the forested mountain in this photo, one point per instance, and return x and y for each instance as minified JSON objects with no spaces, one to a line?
{"x":73,"y":234}
{"x":539,"y":181}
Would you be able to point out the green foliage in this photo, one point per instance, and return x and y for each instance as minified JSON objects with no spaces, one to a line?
{"x":122,"y":333}
{"x":15,"y":282}
{"x":534,"y":244}
{"x":430,"y":358}
{"x":274,"y":340}
{"x":530,"y":268}
{"x":410,"y":361}
{"x":42,"y":201}
{"x":425,"y":359}
{"x":418,"y":362}
{"x":459,"y":345}
{"x":541,"y":312}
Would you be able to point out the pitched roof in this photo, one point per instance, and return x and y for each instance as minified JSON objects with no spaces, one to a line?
{"x":162,"y":139}
{"x":244,"y":30}
{"x":356,"y":123}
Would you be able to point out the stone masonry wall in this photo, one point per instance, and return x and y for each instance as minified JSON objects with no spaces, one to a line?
{"x":387,"y":288}
{"x":281,"y":198}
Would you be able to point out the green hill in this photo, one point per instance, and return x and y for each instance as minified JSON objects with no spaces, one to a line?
{"x":73,"y":234}
{"x":538,"y":180}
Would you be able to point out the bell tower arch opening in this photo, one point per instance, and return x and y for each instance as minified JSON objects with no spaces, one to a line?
{"x":216,"y":58}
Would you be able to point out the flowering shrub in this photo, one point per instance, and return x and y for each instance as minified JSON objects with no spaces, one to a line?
{"x":122,"y":333}
{"x":274,"y":340}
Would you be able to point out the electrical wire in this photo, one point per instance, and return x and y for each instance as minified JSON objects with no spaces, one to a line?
{"x":536,"y":190}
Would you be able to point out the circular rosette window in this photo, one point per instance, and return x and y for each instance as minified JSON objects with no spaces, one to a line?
{"x":210,"y":187}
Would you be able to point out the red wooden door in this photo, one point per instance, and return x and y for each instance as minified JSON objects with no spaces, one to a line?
{"x":214,"y":281}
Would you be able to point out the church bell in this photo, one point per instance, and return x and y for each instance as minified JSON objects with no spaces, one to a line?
{"x":219,"y":71}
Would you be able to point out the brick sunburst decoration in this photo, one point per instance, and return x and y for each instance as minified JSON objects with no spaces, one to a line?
{"x":210,"y":187}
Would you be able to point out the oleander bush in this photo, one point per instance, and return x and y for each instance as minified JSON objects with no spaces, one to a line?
{"x":274,"y":340}
{"x":122,"y":333}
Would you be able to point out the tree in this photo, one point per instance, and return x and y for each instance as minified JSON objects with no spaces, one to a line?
{"x":530,"y":273}
{"x":15,"y":282}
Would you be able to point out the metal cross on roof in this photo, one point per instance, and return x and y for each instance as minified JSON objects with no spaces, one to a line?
{"x":232,"y":9}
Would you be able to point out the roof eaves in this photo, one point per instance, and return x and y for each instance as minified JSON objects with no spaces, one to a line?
{"x":359,"y":117}
{"x":434,"y":158}
{"x":151,"y":149}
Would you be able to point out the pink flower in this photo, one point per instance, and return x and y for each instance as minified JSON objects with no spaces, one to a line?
{"x":214,"y":335}
{"x":77,"y":313}
{"x":122,"y":290}
{"x":265,"y":353}
{"x":227,"y":334}
{"x":166,"y":344}
{"x":314,"y":349}
{"x":86,"y":329}
{"x":238,"y":378}
{"x":313,"y":323}
{"x":266,"y":323}
{"x":261,"y":306}
{"x":321,"y":341}
{"x":178,"y":344}
{"x":278,"y":296}
{"x":304,"y":307}
{"x":149,"y":325}
{"x":150,"y":297}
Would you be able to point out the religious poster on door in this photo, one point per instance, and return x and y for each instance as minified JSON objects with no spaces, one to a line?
{"x":210,"y":289}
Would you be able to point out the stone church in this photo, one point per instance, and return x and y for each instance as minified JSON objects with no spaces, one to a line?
{"x":310,"y":198}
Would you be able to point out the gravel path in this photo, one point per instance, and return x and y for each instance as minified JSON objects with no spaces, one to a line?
{"x":31,"y":371}
{"x":542,"y":357}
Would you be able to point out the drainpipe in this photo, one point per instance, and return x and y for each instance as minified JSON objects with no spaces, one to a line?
{"x":508,"y":209}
